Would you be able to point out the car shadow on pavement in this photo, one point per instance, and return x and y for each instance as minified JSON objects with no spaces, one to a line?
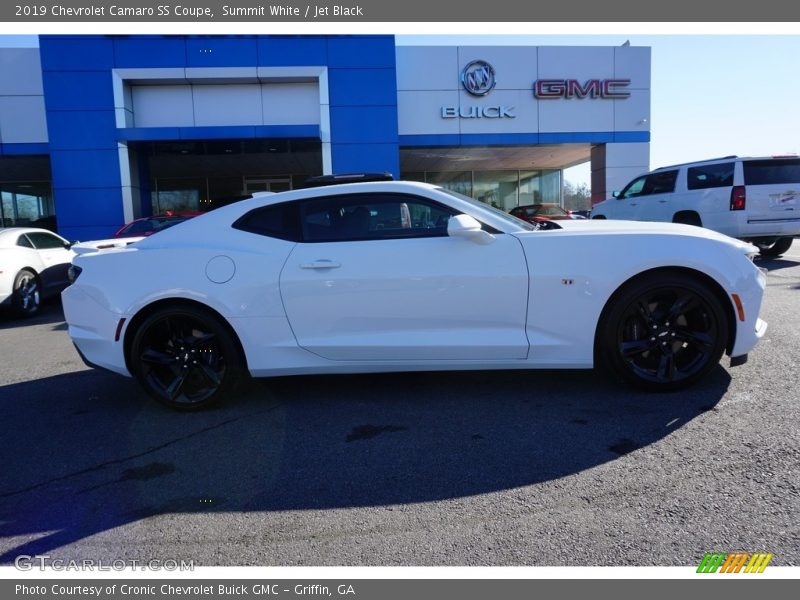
{"x":91,"y":453}
{"x":775,"y":264}
{"x":51,"y":312}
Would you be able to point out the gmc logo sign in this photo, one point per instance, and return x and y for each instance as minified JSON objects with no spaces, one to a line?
{"x":546,"y":89}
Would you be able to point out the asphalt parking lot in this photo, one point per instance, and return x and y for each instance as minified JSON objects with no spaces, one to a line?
{"x":480,"y":468}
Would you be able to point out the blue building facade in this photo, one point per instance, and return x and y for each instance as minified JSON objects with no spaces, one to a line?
{"x":86,"y":139}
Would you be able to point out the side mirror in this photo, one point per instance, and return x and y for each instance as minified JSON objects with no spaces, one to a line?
{"x":69,"y":245}
{"x":468,"y":227}
{"x":615,"y":194}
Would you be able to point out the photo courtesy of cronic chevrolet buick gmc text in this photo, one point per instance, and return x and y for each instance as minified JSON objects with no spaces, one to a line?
{"x":753,"y":199}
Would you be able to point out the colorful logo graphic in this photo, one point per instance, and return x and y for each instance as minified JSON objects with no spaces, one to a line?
{"x":735,"y":562}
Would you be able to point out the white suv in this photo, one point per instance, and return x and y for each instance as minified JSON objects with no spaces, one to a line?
{"x":753,"y":199}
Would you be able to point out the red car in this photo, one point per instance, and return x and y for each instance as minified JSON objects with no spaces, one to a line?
{"x":149,"y":225}
{"x":537,"y":213}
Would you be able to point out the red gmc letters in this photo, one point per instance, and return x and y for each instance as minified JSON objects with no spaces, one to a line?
{"x":572,"y":88}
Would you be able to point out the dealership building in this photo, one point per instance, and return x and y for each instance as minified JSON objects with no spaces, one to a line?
{"x":99,"y":130}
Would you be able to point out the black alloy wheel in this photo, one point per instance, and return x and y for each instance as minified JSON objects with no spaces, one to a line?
{"x":27,"y":295}
{"x":663,"y":332}
{"x":185,"y":358}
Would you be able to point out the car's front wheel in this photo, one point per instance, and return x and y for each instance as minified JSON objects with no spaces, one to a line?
{"x":775,"y":248}
{"x":185,"y":358}
{"x":662,"y":332}
{"x":27,"y":294}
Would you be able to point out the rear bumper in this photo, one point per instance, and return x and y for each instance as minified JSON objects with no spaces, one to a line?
{"x":92,"y":328}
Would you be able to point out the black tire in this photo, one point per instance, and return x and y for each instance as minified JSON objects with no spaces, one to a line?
{"x":599,"y":217}
{"x":27,"y":293}
{"x":662,"y":332}
{"x":688,"y":218}
{"x":776,"y":248}
{"x":185,"y":358}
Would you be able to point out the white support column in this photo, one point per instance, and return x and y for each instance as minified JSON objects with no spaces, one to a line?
{"x":129,"y":176}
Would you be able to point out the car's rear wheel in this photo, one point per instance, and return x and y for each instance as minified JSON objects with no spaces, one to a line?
{"x":185,"y":358}
{"x":27,"y":294}
{"x":663,"y":332}
{"x":775,"y":248}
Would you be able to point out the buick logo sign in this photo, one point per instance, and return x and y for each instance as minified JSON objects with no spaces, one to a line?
{"x":478,"y":78}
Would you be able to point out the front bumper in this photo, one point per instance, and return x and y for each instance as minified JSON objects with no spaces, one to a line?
{"x":753,"y":328}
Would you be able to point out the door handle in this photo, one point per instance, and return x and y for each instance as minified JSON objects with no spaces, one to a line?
{"x":321,"y":264}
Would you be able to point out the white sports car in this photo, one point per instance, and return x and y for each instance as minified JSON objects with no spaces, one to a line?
{"x":401,"y":276}
{"x":33,"y":266}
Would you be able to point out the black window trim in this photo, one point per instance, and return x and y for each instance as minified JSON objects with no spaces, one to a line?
{"x":298,"y":235}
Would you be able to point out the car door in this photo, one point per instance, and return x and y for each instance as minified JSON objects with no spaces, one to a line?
{"x":55,"y":257}
{"x":653,"y":201}
{"x":624,"y":204}
{"x":376,"y":277}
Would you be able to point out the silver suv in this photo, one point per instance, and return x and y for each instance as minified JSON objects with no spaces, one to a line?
{"x":753,"y":199}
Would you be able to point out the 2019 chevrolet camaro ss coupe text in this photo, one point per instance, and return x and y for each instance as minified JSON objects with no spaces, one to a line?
{"x":401,"y":276}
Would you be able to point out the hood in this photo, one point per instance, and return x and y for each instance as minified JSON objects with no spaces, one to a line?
{"x":615,"y":227}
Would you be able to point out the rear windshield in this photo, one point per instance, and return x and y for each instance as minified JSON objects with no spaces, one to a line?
{"x":765,"y":172}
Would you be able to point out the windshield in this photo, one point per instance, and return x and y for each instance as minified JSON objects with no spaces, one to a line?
{"x":519,"y":223}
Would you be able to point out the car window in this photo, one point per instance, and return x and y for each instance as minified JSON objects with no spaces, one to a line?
{"x":710,"y":176}
{"x":375,"y":216}
{"x":766,"y":172}
{"x":137,"y":227}
{"x":45,"y":241}
{"x":634,"y":188}
{"x":276,"y":221}
{"x":498,"y":214}
{"x":143,"y":225}
{"x":662,"y":182}
{"x":24,"y":242}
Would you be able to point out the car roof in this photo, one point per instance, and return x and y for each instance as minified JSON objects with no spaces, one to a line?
{"x":723,"y":159}
{"x":10,"y":233}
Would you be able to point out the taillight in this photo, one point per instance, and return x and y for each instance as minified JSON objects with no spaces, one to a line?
{"x":73,"y":272}
{"x":738,"y":198}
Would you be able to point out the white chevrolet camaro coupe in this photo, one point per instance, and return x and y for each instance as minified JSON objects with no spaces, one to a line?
{"x":402,"y":276}
{"x":33,"y":266}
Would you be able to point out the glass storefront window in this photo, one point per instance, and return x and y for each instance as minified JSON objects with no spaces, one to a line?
{"x":503,"y":189}
{"x":23,"y":203}
{"x":550,"y":185}
{"x":457,"y":181}
{"x":529,"y":189}
{"x":496,"y":188}
{"x":178,"y":195}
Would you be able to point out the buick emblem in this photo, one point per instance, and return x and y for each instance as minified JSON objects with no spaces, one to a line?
{"x":478,"y":78}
